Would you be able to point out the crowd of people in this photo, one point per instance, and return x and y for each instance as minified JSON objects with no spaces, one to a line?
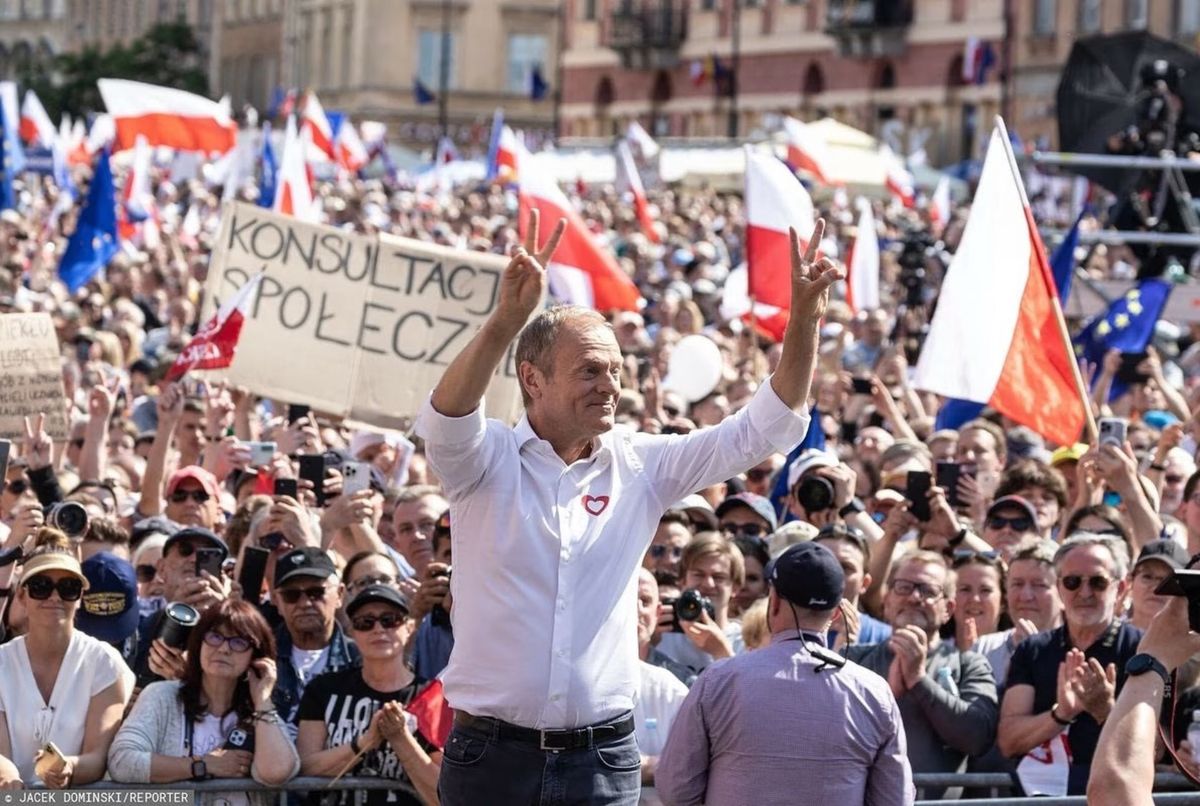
{"x":989,"y":617}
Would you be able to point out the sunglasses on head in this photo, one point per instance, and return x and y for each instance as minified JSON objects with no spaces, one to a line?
{"x":657,"y":552}
{"x":964,"y":556}
{"x":744,"y":529}
{"x":1097,"y":583}
{"x":236,"y":642}
{"x":292,"y":595}
{"x":146,"y":573}
{"x":17,"y":486}
{"x":1018,"y":523}
{"x":40,"y":587}
{"x":181,"y":496}
{"x":388,"y":621}
{"x":382,"y":579}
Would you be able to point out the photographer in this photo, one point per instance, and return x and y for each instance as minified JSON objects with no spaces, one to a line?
{"x":821,"y":491}
{"x":713,"y":571}
{"x":433,"y":639}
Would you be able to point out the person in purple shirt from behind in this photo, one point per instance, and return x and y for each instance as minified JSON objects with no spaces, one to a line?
{"x":793,"y":717}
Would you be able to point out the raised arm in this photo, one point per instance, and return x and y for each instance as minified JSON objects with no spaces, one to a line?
{"x":170,"y":409}
{"x":95,"y":437}
{"x":522,"y":287}
{"x":811,"y":279}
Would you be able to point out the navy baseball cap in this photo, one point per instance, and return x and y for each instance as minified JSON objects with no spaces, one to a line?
{"x":1164,"y":550}
{"x":199,"y":534}
{"x":306,"y":561}
{"x":108,"y":610}
{"x":807,"y":575}
{"x":755,"y":503}
{"x":154,"y":525}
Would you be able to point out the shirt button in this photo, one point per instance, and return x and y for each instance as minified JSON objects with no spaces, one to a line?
{"x":562,"y":653}
{"x":555,"y":698}
{"x":562,"y":604}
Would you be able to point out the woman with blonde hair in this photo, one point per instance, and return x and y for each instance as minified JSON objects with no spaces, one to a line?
{"x":58,"y":686}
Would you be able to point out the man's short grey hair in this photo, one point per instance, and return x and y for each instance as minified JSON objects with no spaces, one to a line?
{"x":537,"y":340}
{"x":415,"y":492}
{"x":1115,"y":545}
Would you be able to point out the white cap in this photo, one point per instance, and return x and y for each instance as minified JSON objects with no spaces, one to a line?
{"x":808,"y":460}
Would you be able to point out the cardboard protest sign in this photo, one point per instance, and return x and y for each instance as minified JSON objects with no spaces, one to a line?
{"x":30,"y":375}
{"x":351,"y":324}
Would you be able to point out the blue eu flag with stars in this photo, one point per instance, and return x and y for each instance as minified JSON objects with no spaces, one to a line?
{"x":94,"y":241}
{"x":7,"y":169}
{"x":1127,"y":325}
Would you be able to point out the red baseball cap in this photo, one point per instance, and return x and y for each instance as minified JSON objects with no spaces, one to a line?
{"x":207,"y":480}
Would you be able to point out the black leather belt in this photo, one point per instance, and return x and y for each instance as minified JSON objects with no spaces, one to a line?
{"x":573,"y":739}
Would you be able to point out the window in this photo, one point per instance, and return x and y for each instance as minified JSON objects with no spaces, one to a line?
{"x":525,"y":52}
{"x":429,"y":58}
{"x":1089,"y":16}
{"x":1044,"y":14}
{"x":1136,"y":14}
{"x":708,"y":5}
{"x":1187,"y":13}
{"x":589,"y":9}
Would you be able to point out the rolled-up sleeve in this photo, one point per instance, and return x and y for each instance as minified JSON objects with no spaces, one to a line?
{"x":457,"y":448}
{"x":682,"y":774}
{"x":889,"y":780}
{"x":682,"y":464}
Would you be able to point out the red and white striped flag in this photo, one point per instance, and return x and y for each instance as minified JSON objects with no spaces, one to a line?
{"x":214,"y":345}
{"x":293,"y":193}
{"x":806,"y":151}
{"x":639,"y":138}
{"x":508,"y":150}
{"x":862,"y":280}
{"x":167,"y":117}
{"x":939,"y":205}
{"x":629,"y":179}
{"x":351,"y":153}
{"x":316,"y":129}
{"x":898,"y":180}
{"x":775,"y":201}
{"x":36,"y":127}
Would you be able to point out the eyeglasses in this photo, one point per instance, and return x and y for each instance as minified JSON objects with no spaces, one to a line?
{"x":272,"y":541}
{"x":1096,"y":583}
{"x":146,"y":573}
{"x":40,"y":587}
{"x":905,"y":588}
{"x":744,"y":529}
{"x":1018,"y":523}
{"x":181,"y":496}
{"x":236,"y":642}
{"x":382,"y":579}
{"x":17,"y":486}
{"x":658,"y":551}
{"x":292,"y":595}
{"x":389,"y":621}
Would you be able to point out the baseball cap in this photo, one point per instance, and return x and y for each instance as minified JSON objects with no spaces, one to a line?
{"x":377,"y":593}
{"x":207,"y":480}
{"x":109,"y":609}
{"x":155,"y":525}
{"x":307,"y":561}
{"x":755,"y":503}
{"x":198,"y":533}
{"x":1068,"y":453}
{"x":808,"y":460}
{"x":1166,"y":550}
{"x":808,"y":575}
{"x":1010,"y":501}
{"x":697,"y":508}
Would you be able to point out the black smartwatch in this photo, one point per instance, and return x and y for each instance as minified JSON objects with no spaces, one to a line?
{"x":853,"y":508}
{"x":1142,"y":663}
{"x":199,"y":769}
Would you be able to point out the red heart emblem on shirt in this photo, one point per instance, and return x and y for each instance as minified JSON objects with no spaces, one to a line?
{"x":595,"y":504}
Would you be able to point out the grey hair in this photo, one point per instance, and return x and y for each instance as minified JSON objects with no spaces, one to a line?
{"x":537,"y":340}
{"x":1115,"y":545}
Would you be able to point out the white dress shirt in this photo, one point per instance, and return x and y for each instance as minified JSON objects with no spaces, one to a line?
{"x":546,"y":554}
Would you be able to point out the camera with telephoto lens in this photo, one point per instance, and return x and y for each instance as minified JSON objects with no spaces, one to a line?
{"x":177,"y":623}
{"x":691,"y":603}
{"x":68,"y":517}
{"x":814,"y":493}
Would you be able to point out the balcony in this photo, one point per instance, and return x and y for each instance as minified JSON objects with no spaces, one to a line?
{"x":869,"y":28}
{"x":648,"y":35}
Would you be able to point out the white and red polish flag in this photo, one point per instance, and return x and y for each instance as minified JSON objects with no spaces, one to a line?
{"x":35,"y":123}
{"x":215,"y":343}
{"x":638,"y":137}
{"x":806,"y":151}
{"x":996,"y":338}
{"x":167,"y":117}
{"x":508,"y":149}
{"x":862,"y":280}
{"x":316,"y":129}
{"x":939,"y":205}
{"x":293,"y":193}
{"x":898,"y":180}
{"x":629,"y":179}
{"x":775,"y":201}
{"x":581,"y":271}
{"x":351,"y":153}
{"x":137,"y":200}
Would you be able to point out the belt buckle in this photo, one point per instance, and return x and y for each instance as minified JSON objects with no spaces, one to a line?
{"x":542,"y":745}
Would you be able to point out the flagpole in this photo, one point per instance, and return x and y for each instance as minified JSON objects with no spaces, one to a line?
{"x":1060,"y":320}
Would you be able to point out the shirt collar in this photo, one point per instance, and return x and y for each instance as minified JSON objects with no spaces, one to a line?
{"x":526,"y":435}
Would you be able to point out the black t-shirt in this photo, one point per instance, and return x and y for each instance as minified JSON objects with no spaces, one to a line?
{"x":1035,"y":663}
{"x":345,"y":703}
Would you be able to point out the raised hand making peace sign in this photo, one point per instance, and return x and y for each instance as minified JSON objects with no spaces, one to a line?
{"x":524,"y":281}
{"x":811,"y":278}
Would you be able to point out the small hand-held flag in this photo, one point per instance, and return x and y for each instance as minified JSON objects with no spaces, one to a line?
{"x":433,"y":713}
{"x":214,"y":345}
{"x":94,"y":241}
{"x":1127,"y":325}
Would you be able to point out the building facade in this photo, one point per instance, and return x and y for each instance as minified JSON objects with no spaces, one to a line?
{"x":32,"y":32}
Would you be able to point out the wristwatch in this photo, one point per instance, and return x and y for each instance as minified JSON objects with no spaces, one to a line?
{"x":199,"y":769}
{"x":1143,"y":662}
{"x":853,"y":508}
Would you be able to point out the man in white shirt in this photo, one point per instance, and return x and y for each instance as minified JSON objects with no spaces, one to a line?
{"x":552,"y":519}
{"x":659,"y":692}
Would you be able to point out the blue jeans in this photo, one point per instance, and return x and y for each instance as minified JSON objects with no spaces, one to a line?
{"x":480,"y":767}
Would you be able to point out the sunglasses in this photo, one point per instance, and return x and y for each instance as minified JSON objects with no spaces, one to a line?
{"x":185,"y":549}
{"x":272,"y":541}
{"x":389,"y":621}
{"x":181,"y":496}
{"x":18,"y":486}
{"x":657,"y":552}
{"x":1096,"y":583}
{"x":1019,"y":523}
{"x":146,"y":573}
{"x":236,"y":642}
{"x":1173,"y":479}
{"x":40,"y":587}
{"x":292,"y":595}
{"x":744,"y":529}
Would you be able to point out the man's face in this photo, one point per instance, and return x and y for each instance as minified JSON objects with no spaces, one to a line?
{"x":711,"y":410}
{"x":1093,"y":603}
{"x":875,"y":328}
{"x":190,"y":433}
{"x":1045,"y":505}
{"x":1174,"y":478}
{"x":1032,"y":593}
{"x":978,"y":447}
{"x":178,"y":567}
{"x":647,"y":608}
{"x":755,"y":586}
{"x":667,"y":548}
{"x":1005,"y":528}
{"x":758,"y":478}
{"x":745,"y":522}
{"x":580,"y":391}
{"x":871,"y":443}
{"x":191,"y":505}
{"x":916,"y":597}
{"x":851,"y":560}
{"x":16,"y":492}
{"x":711,"y":575}
{"x":313,"y":611}
{"x":413,"y":523}
{"x":1146,"y":579}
